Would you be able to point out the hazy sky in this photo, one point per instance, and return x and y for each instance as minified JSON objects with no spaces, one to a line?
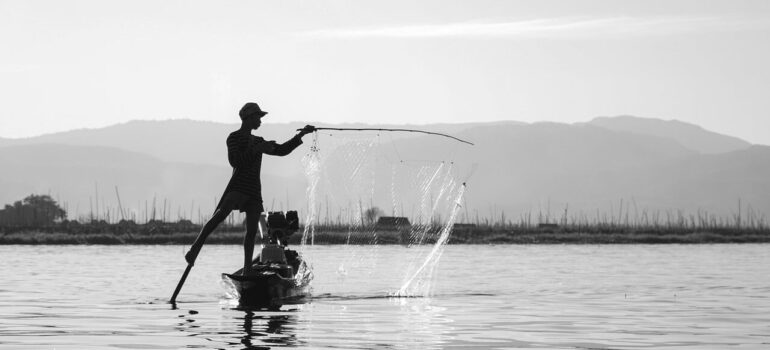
{"x":76,"y":64}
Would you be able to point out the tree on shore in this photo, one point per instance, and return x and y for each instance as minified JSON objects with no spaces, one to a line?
{"x":34,"y":210}
{"x":372,"y":214}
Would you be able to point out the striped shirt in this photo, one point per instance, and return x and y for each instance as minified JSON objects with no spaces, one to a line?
{"x":244,"y":152}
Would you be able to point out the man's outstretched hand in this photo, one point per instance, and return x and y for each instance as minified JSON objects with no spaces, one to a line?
{"x":306,"y":130}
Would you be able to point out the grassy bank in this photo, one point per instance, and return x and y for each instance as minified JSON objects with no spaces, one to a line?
{"x":475,"y":235}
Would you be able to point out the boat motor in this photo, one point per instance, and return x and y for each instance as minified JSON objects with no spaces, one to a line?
{"x":280,"y":226}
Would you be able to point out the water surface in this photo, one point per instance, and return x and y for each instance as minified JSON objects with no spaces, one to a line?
{"x":554,"y":296}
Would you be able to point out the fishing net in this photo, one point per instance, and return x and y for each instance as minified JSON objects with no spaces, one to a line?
{"x":363,"y":193}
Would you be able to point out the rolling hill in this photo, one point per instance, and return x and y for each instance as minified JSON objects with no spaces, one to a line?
{"x":689,"y":135}
{"x":521,"y":169}
{"x":82,"y":176}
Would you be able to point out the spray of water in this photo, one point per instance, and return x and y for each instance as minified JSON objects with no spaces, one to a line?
{"x":418,"y":282}
{"x":312,"y":166}
{"x":343,"y":173}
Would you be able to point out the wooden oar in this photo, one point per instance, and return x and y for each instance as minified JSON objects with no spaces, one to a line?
{"x":190,"y":262}
{"x":181,"y":283}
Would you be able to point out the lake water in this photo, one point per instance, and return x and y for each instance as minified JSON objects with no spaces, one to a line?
{"x":487,"y":297}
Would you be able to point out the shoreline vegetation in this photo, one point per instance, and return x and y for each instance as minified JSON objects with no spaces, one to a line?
{"x":37,"y":219}
{"x":184,"y":232}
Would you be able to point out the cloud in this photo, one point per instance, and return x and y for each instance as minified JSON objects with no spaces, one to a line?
{"x":557,"y":28}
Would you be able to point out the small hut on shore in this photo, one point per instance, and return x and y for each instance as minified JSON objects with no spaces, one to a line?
{"x":393,"y":223}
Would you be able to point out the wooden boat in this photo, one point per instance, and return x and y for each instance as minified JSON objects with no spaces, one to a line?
{"x":279,"y":275}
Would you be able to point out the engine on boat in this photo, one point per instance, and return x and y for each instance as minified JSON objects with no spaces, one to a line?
{"x":280,"y":226}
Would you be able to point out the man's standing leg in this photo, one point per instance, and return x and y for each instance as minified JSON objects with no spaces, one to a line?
{"x":252,"y":222}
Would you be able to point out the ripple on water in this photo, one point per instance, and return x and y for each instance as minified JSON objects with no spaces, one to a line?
{"x":604,"y":297}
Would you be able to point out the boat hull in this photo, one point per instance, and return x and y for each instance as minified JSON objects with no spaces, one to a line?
{"x":270,"y":284}
{"x":265,"y":289}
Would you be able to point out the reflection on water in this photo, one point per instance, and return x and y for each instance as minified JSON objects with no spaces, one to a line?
{"x":348,"y":322}
{"x":271,"y":329}
{"x":242,"y":329}
{"x":555,"y":297}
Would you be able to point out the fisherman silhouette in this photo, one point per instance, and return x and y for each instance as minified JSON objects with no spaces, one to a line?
{"x":244,"y":191}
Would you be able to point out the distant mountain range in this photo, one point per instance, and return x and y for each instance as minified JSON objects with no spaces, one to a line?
{"x":650,"y":165}
{"x":689,"y":135}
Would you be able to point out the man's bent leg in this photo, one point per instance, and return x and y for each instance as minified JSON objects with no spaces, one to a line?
{"x":252,"y":220}
{"x":216,"y":219}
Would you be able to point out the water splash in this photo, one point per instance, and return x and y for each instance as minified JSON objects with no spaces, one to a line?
{"x":419,"y":282}
{"x":312,"y":165}
{"x":342,"y":177}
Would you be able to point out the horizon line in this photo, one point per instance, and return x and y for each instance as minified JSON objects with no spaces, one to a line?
{"x":371,"y":124}
{"x":277,"y":123}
